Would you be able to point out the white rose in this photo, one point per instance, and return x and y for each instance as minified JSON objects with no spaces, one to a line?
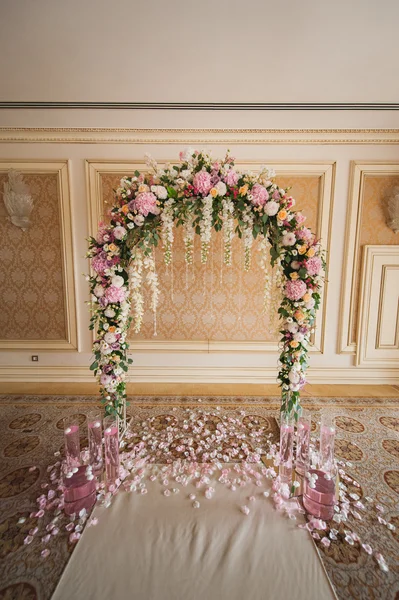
{"x":271,"y":208}
{"x":172,"y":173}
{"x":120,"y":232}
{"x":110,"y":338}
{"x":118,"y":281}
{"x":309,"y":305}
{"x":130,"y":225}
{"x":109,"y":312}
{"x":292,"y":327}
{"x":293,"y":376}
{"x":185,"y":173}
{"x":221,"y":188}
{"x":299,"y":337}
{"x":160,"y":191}
{"x":139,"y":220}
{"x":98,"y":291}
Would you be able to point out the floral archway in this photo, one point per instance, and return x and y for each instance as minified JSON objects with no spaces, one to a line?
{"x":200,"y":195}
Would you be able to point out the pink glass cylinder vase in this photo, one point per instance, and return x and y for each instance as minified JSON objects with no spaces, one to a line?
{"x":327,"y":437}
{"x":319,"y":495}
{"x":79,"y":491}
{"x":286,"y":448}
{"x":111,"y":449}
{"x":72,"y":441}
{"x":303,"y":442}
{"x":94,"y":432}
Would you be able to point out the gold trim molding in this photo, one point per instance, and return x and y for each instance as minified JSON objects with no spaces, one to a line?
{"x":93,"y":135}
{"x":62,"y":169}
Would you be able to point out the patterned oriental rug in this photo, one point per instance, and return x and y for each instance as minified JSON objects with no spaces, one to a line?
{"x":31,"y":432}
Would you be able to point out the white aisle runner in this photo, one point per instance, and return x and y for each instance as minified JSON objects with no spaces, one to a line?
{"x":152,"y":547}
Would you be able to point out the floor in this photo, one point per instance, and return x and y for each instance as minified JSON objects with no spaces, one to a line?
{"x":367,"y":442}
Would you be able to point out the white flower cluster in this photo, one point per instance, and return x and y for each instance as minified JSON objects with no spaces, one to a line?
{"x":168,"y":221}
{"x":188,"y":238}
{"x":152,"y":280}
{"x":228,"y":228}
{"x":264,"y":248}
{"x":135,"y":272}
{"x":206,"y":227}
{"x":247,"y":237}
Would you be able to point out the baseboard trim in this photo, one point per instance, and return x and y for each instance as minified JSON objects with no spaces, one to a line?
{"x":257,"y":375}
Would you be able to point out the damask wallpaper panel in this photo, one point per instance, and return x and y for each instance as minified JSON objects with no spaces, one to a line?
{"x":31,"y":273}
{"x":373,"y":227}
{"x":210,"y":303}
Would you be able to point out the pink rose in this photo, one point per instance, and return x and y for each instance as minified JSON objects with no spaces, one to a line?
{"x":231,"y":178}
{"x":304,"y":234}
{"x":295,"y":290}
{"x":313,"y":265}
{"x":202,"y":183}
{"x":259,"y":195}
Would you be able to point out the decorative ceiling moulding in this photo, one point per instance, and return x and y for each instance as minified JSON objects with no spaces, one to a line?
{"x":94,"y":135}
{"x":203,"y":105}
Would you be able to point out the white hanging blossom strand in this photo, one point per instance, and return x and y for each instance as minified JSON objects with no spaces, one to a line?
{"x":228,"y":228}
{"x":188,"y":238}
{"x":167,"y":219}
{"x":248,"y":237}
{"x":277,"y":287}
{"x":264,"y":248}
{"x":152,"y":280}
{"x":135,"y":272}
{"x":206,"y":227}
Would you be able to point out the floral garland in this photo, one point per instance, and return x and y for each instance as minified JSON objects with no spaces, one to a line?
{"x":200,"y":194}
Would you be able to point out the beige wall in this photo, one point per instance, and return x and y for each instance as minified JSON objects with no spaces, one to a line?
{"x":333,"y":149}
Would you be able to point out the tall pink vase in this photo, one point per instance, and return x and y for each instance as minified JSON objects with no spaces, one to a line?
{"x":303,"y":442}
{"x":72,"y":441}
{"x":94,"y":432}
{"x":327,"y":438}
{"x":111,"y":449}
{"x":286,"y":448}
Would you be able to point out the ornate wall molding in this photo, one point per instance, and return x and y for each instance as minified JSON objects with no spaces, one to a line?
{"x":359,"y":170}
{"x":263,"y":106}
{"x":92,"y":135}
{"x":61,"y":169}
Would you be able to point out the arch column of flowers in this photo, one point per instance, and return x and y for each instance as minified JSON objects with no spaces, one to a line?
{"x":200,"y":194}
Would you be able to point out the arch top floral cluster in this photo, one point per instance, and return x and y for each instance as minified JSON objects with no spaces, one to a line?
{"x":201,"y":195}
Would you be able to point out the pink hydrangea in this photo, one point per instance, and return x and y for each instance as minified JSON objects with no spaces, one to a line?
{"x":99,"y":264}
{"x":259,"y":195}
{"x":202,"y":182}
{"x":313,"y":265}
{"x":145,"y":203}
{"x":115,"y":294}
{"x":300,"y":218}
{"x":295,"y":290}
{"x":304,"y":234}
{"x":231,"y":178}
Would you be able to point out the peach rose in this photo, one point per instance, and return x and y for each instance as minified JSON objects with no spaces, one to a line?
{"x":282,"y":215}
{"x":302,"y":249}
{"x":112,"y":248}
{"x":294,"y":275}
{"x":299,"y":316}
{"x":125,"y":209}
{"x":243,"y":190}
{"x":213,"y":192}
{"x":294,"y":344}
{"x":311,"y":252}
{"x":307,"y":297}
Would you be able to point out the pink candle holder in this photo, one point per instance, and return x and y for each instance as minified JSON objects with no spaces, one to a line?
{"x":303,"y":442}
{"x":72,"y":441}
{"x":327,"y":437}
{"x":79,"y":491}
{"x":286,"y":448}
{"x":94,"y":431}
{"x":111,"y":449}
{"x":319,"y":497}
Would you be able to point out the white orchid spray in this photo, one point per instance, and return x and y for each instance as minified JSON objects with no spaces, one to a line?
{"x":228,"y":229}
{"x":264,"y":249}
{"x":206,"y":227}
{"x":167,"y":226}
{"x":248,"y":238}
{"x":152,"y":280}
{"x":188,"y":239}
{"x":135,"y":272}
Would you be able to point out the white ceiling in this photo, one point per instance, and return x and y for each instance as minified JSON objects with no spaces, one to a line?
{"x":202,"y":51}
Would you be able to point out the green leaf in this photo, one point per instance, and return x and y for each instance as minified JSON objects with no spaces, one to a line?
{"x":137,"y":173}
{"x":94,"y":366}
{"x":302,"y":273}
